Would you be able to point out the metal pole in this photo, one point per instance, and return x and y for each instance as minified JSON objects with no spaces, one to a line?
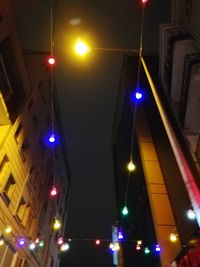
{"x":187,"y":176}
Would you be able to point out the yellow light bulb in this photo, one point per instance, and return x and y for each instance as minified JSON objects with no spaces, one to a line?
{"x":1,"y":242}
{"x":173,"y":237}
{"x":131,"y":166}
{"x":81,"y":48}
{"x":57,"y":225}
{"x":8,"y":230}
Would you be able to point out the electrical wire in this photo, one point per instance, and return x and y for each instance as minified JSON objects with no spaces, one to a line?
{"x":134,"y":110}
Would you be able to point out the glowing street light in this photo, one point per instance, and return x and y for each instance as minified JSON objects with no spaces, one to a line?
{"x":81,"y":48}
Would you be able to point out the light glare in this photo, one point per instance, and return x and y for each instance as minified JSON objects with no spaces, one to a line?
{"x":81,"y":48}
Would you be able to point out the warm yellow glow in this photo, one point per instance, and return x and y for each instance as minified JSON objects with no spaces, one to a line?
{"x":173,"y":237}
{"x":56,"y":225}
{"x":131,"y":166}
{"x":1,"y":242}
{"x":81,"y":48}
{"x":139,"y":242}
{"x":8,"y":229}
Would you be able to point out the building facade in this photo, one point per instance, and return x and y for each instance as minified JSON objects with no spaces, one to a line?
{"x":29,"y":166}
{"x":158,"y":196}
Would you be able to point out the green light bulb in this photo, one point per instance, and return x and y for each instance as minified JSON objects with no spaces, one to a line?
{"x":125,"y":211}
{"x":146,"y":251}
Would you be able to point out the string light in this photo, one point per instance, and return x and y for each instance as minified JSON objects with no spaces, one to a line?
{"x":64,"y":247}
{"x":138,"y":95}
{"x":32,"y":246}
{"x":120,"y":235}
{"x":56,"y":225}
{"x":60,"y":241}
{"x":41,"y":244}
{"x":51,"y":61}
{"x":114,"y":247}
{"x":146,"y":250}
{"x":125,"y":211}
{"x":8,"y":230}
{"x":131,"y":166}
{"x":21,"y":241}
{"x":1,"y":242}
{"x":53,"y":191}
{"x":97,"y":242}
{"x":191,"y":214}
{"x":157,"y":248}
{"x":37,"y":240}
{"x":52,"y":138}
{"x":173,"y":237}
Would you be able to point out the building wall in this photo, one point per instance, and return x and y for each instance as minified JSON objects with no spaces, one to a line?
{"x":28,"y":166}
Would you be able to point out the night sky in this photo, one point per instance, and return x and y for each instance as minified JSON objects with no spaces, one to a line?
{"x":87,"y":92}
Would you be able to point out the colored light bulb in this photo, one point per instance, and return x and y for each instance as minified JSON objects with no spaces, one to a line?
{"x":146,"y":250}
{"x":52,"y":138}
{"x":60,"y":241}
{"x":120,"y":235}
{"x":97,"y":242}
{"x":138,"y":95}
{"x":32,"y":246}
{"x":21,"y":242}
{"x":114,"y":247}
{"x":173,"y":237}
{"x":37,"y":240}
{"x":54,"y":191}
{"x":41,"y":244}
{"x":191,"y":214}
{"x":157,"y":248}
{"x":131,"y":166}
{"x":64,"y":247}
{"x":8,"y":230}
{"x":57,"y":225}
{"x":125,"y":211}
{"x":51,"y":61}
{"x":1,"y":242}
{"x":138,"y":247}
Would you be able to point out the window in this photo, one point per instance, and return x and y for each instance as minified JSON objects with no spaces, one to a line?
{"x":9,"y":189}
{"x":23,"y":212}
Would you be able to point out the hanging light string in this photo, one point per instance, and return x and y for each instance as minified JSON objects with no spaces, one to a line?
{"x":134,"y":109}
{"x":52,"y":43}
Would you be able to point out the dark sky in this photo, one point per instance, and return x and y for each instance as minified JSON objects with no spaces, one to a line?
{"x":87,"y":91}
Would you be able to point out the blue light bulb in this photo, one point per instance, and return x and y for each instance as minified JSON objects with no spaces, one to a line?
{"x":52,"y":138}
{"x":120,"y":235}
{"x":138,"y":95}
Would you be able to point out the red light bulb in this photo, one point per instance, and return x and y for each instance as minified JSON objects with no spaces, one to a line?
{"x":60,"y":241}
{"x":97,"y":242}
{"x":144,"y":1}
{"x":54,"y":191}
{"x":51,"y":60}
